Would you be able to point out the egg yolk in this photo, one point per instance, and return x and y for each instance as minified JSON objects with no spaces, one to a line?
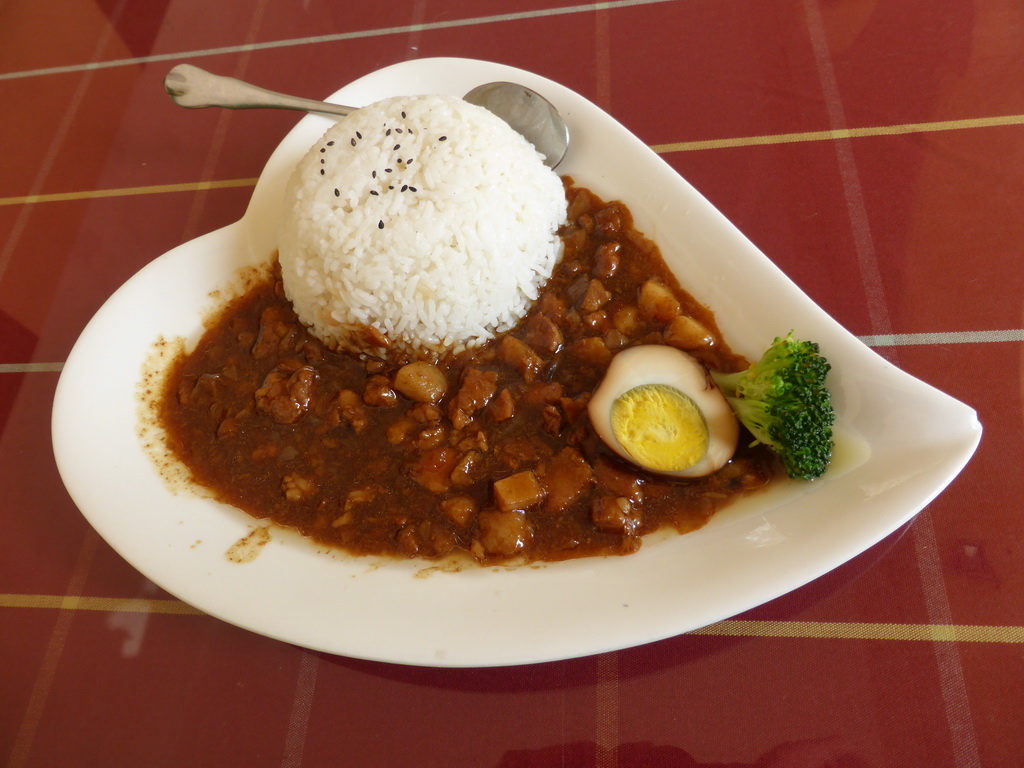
{"x":660,"y":427}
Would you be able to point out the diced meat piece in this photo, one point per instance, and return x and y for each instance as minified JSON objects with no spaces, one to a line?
{"x":550,"y":305}
{"x":517,"y":354}
{"x":297,"y":487}
{"x":425,"y":413}
{"x":431,"y":436}
{"x":424,"y":539}
{"x":275,"y":331}
{"x":399,"y":431}
{"x":609,"y":220}
{"x":542,"y":334}
{"x":573,"y":408}
{"x":503,"y":407}
{"x":474,"y":441}
{"x":683,"y":332}
{"x":579,"y":202}
{"x":476,"y":390}
{"x":656,"y":302}
{"x":352,"y":410}
{"x":551,"y":420}
{"x":374,"y":337}
{"x":566,"y":477}
{"x":286,"y":396}
{"x":465,"y":472}
{"x":433,"y":468}
{"x":612,"y":476}
{"x":459,"y":509}
{"x":519,"y":491}
{"x":378,"y":391}
{"x":606,"y":260}
{"x":595,"y":297}
{"x":597,"y":321}
{"x":591,"y":350}
{"x":614,"y":514}
{"x":312,"y":351}
{"x":421,"y":381}
{"x":542,"y":392}
{"x":502,"y":533}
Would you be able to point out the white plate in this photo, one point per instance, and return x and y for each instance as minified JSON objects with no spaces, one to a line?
{"x":904,"y":442}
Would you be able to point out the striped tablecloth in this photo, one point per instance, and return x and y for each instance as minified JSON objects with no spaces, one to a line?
{"x":874,"y":150}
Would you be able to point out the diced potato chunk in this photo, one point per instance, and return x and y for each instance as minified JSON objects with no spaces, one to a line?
{"x":613,"y":515}
{"x":503,"y":533}
{"x":626,"y":321}
{"x":518,"y":492}
{"x":683,"y":332}
{"x":421,"y":381}
{"x":656,"y":302}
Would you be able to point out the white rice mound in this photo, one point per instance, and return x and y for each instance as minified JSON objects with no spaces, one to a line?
{"x":426,"y":219}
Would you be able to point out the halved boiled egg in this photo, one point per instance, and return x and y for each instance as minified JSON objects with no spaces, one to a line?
{"x":659,"y":408}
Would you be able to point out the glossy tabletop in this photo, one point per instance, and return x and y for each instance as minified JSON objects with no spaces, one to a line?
{"x":874,"y":150}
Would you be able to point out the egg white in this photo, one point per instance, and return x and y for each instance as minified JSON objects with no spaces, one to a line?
{"x":667,"y":366}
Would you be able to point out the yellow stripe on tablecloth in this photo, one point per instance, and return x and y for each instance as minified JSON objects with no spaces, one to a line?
{"x":111,"y":604}
{"x":841,"y":133}
{"x":681,"y":146}
{"x":154,"y":189}
{"x":958,"y":633}
{"x":820,"y":630}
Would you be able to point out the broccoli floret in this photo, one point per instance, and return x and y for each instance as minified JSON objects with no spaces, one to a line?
{"x":782,"y":399}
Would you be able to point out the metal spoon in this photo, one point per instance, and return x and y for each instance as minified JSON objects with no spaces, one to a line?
{"x":525,"y":110}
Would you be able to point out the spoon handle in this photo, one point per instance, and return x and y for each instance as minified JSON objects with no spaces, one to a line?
{"x":195,"y":88}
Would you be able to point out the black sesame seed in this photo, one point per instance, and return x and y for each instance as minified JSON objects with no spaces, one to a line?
{"x":353,"y":142}
{"x":409,"y":161}
{"x":412,"y":189}
{"x":322,"y":161}
{"x":403,"y":115}
{"x":380,"y":224}
{"x":321,"y":171}
{"x":387,"y":170}
{"x":388,"y":132}
{"x":359,"y":135}
{"x":323,"y":149}
{"x":397,"y":147}
{"x":391,"y":186}
{"x":374,"y":174}
{"x":404,"y":187}
{"x":398,"y":130}
{"x":330,"y":143}
{"x":337,"y":192}
{"x":443,"y":138}
{"x":374,"y":192}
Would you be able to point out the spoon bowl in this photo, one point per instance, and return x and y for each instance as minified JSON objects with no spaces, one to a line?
{"x":525,"y":110}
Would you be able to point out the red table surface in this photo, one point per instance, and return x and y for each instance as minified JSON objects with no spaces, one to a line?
{"x":874,"y":150}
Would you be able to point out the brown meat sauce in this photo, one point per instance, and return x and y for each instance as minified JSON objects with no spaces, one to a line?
{"x":490,"y":451}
